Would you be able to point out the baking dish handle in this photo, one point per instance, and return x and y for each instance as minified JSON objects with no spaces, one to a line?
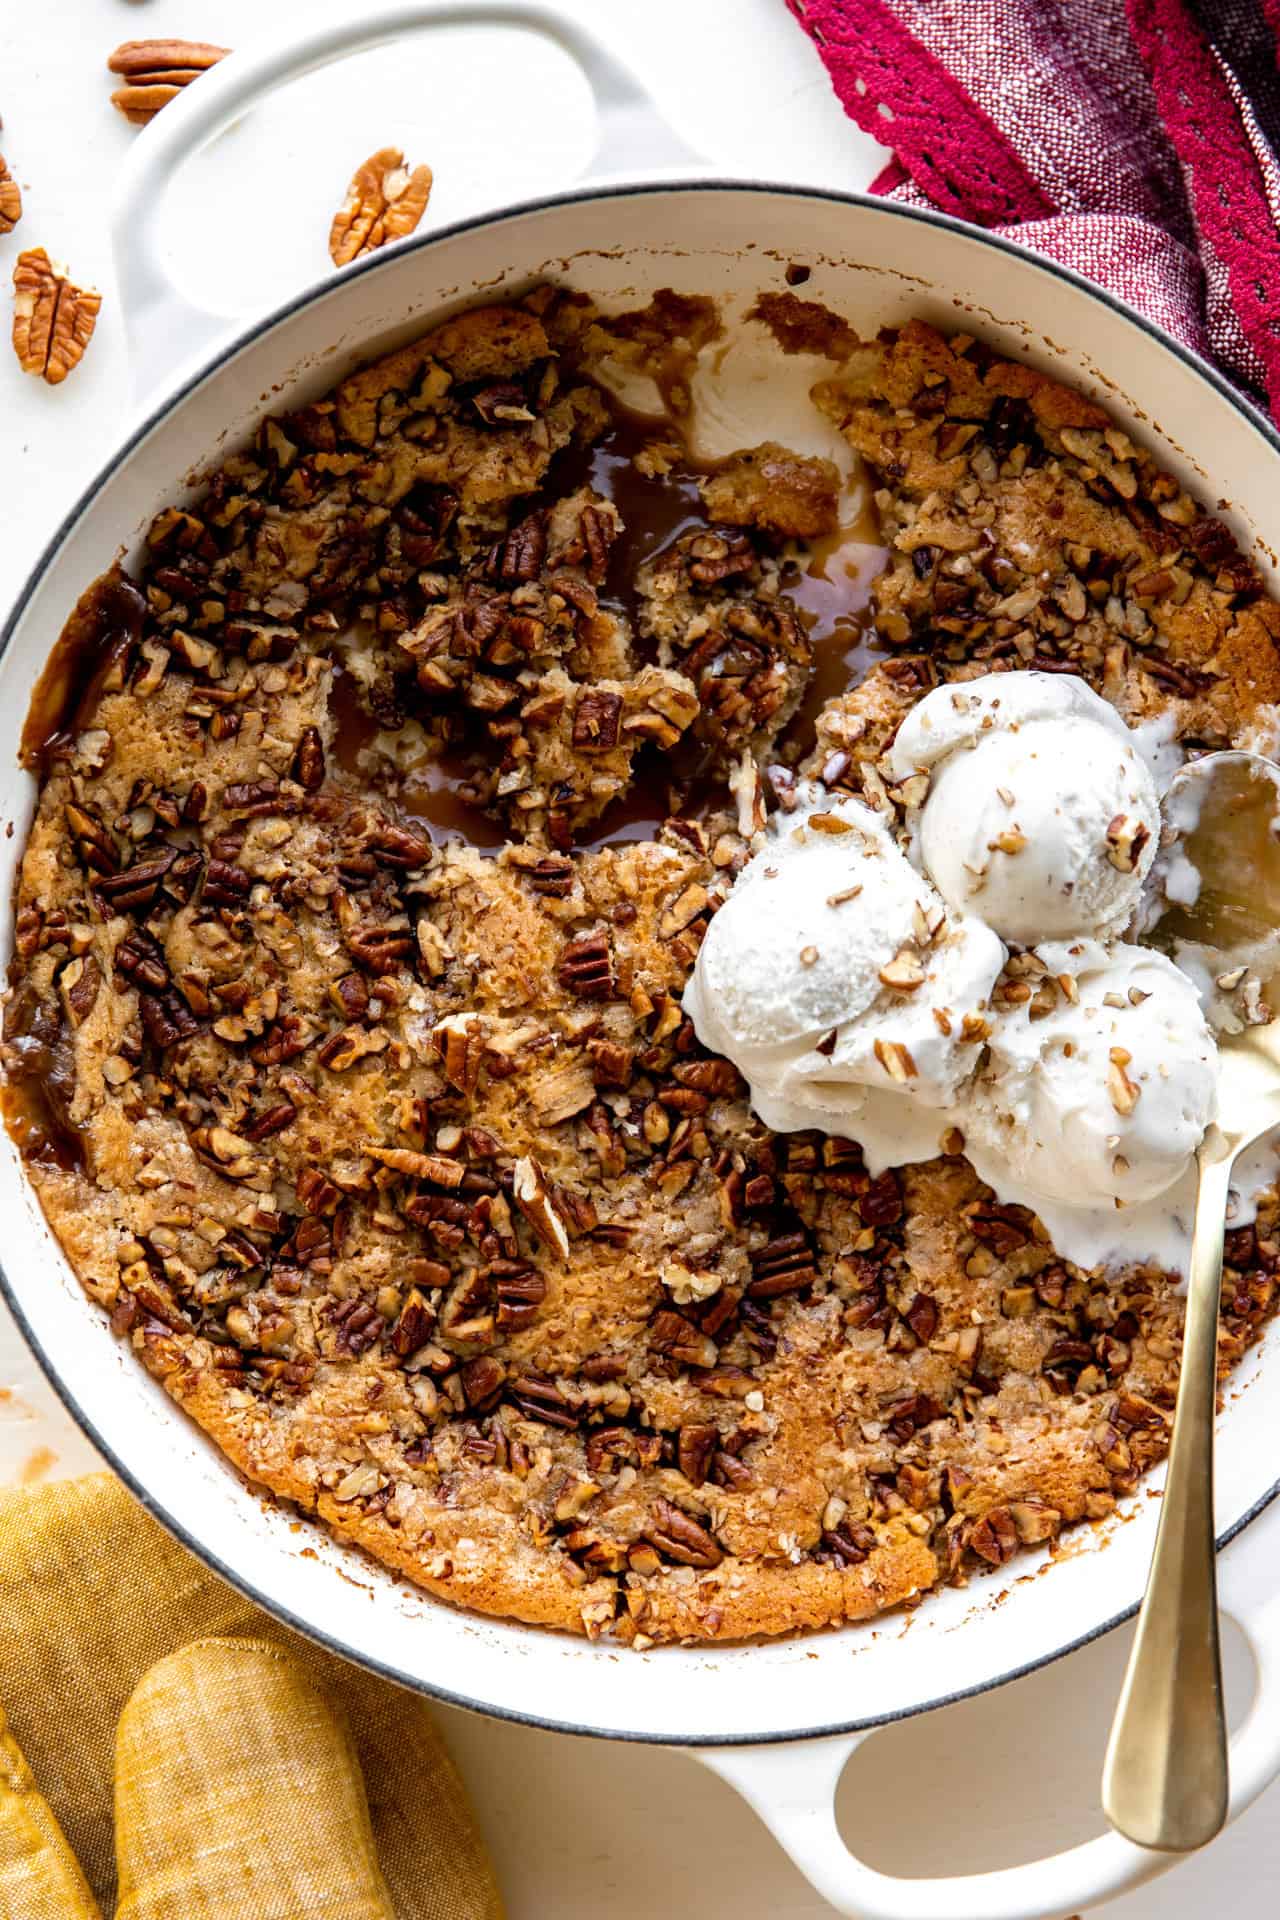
{"x":792,"y":1787}
{"x":167,"y":331}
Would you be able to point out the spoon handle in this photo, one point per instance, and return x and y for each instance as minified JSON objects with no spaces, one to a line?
{"x":1164,"y":1780}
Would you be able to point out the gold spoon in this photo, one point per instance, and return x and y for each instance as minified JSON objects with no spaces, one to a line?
{"x":1164,"y":1779}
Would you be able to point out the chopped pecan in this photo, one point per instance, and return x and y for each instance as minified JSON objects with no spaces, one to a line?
{"x":94,"y":841}
{"x":404,"y":847}
{"x":586,"y":966}
{"x":154,"y":71}
{"x":316,"y":1192}
{"x":881,"y":1204}
{"x":340,"y":1052}
{"x":308,"y":760}
{"x":501,"y":404}
{"x":10,"y":199}
{"x":677,"y":1536}
{"x":424,"y":517}
{"x":607,"y":1445}
{"x":460,"y":1042}
{"x":413,"y":1325}
{"x":136,"y":887}
{"x":351,"y":996}
{"x":482,"y":1382}
{"x":225,"y":885}
{"x":728,"y":1471}
{"x":273,"y":1119}
{"x":995,"y":1538}
{"x":437,"y":1168}
{"x":532,"y":1195}
{"x":283,"y":1040}
{"x":598,"y":531}
{"x":357,"y":1324}
{"x":708,"y":1076}
{"x":78,"y":983}
{"x":542,"y":1399}
{"x":550,"y":875}
{"x":141,"y":961}
{"x":922,"y":1317}
{"x":1002,"y":1228}
{"x":713,"y":557}
{"x":166,"y":1018}
{"x":612,"y":1064}
{"x":848,"y":1545}
{"x":521,"y":1290}
{"x":1034,"y":1520}
{"x":906,"y":1413}
{"x":563,"y":1091}
{"x":694,"y":1449}
{"x":254,"y":798}
{"x":596,"y":720}
{"x":786,"y":1265}
{"x":380,"y":949}
{"x":672,"y":1334}
{"x":385,"y":201}
{"x":521,"y":554}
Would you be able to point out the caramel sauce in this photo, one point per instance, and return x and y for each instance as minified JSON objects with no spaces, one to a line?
{"x":1233,"y":847}
{"x":436,"y":795}
{"x":831,"y":591}
{"x":35,"y":1101}
{"x":833,"y":594}
{"x":655,"y":511}
{"x":354,"y":726}
{"x":105,"y":622}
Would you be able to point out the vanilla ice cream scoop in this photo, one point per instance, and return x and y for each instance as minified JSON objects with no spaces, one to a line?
{"x":1091,"y":1113}
{"x":1041,"y":817}
{"x":839,"y":986}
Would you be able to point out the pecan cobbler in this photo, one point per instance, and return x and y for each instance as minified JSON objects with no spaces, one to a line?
{"x":400,"y":781}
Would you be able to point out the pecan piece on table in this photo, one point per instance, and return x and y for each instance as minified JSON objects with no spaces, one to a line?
{"x":385,"y":201}
{"x":10,"y":199}
{"x":53,"y":319}
{"x":154,"y":71}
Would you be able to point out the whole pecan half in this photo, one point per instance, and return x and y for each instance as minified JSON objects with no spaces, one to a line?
{"x":677,"y":1536}
{"x":385,"y":201}
{"x":53,"y":319}
{"x":10,"y":199}
{"x":155,"y":70}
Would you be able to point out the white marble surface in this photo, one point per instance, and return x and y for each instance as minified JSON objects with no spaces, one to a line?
{"x":573,"y":1824}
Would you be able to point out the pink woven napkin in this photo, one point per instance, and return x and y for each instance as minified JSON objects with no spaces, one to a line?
{"x":1134,"y":140}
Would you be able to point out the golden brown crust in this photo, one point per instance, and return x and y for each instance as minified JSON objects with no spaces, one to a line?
{"x":766,"y":486}
{"x":401,"y":1167}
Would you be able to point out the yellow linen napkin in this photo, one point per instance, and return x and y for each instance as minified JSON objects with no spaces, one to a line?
{"x":256,"y":1777}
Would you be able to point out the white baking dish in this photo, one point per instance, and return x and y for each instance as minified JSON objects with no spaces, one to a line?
{"x":778,"y":1721}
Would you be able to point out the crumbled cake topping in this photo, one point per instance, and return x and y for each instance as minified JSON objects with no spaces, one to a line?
{"x":396,"y":1160}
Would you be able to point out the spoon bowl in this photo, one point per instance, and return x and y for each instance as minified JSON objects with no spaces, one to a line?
{"x":1164,"y":1782}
